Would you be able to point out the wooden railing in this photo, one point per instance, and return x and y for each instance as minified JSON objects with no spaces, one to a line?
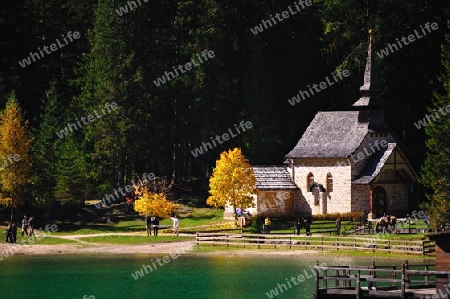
{"x":373,"y":282}
{"x":374,"y":244}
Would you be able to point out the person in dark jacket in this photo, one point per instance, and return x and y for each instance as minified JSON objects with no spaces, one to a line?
{"x":8,"y":234}
{"x":155,"y":226}
{"x":14,"y":233}
{"x":148,"y":225}
{"x":307,"y":226}
{"x":338,"y":226}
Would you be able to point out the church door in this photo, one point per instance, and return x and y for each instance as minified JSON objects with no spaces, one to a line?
{"x":379,"y":201}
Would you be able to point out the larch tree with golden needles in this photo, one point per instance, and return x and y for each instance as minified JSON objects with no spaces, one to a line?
{"x":232,"y":181}
{"x":15,"y":162}
{"x":155,"y":204}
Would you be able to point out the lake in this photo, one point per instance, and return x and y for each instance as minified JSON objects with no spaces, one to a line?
{"x":160,"y":276}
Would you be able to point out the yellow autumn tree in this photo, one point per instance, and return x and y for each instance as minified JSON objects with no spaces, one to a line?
{"x":15,"y":162}
{"x":232,"y":181}
{"x":155,"y":204}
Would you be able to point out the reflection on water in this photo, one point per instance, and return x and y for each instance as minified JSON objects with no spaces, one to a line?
{"x":188,"y":276}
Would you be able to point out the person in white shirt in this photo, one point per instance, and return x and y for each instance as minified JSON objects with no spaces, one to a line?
{"x":176,"y":223}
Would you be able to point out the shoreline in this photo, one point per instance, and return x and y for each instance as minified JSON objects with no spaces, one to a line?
{"x":181,"y":247}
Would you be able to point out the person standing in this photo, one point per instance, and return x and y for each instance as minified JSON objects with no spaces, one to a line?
{"x":155,"y":226}
{"x":307,"y":225}
{"x":267,"y":224}
{"x":176,"y":224}
{"x":30,"y":226}
{"x":338,"y":226}
{"x":8,"y":233}
{"x":148,"y":225}
{"x":25,"y":225}
{"x":14,"y":233}
{"x":298,"y":226}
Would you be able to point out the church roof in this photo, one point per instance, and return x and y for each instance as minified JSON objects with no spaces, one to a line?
{"x":335,"y":134}
{"x":273,"y":177}
{"x":374,"y":166}
{"x":338,"y":134}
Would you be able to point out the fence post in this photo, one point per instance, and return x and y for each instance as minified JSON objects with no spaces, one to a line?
{"x":358,"y":284}
{"x":336,"y":282}
{"x":403,"y":286}
{"x":337,"y":244}
{"x":389,"y":246}
{"x":394,"y":276}
{"x":321,"y":243}
{"x":372,"y":283}
{"x":316,"y":270}
{"x":196,"y":238}
{"x":406,"y":274}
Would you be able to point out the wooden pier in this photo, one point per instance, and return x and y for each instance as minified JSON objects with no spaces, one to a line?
{"x":378,"y":282}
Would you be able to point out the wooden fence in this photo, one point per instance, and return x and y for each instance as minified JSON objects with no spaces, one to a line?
{"x":375,"y":282}
{"x":375,"y":244}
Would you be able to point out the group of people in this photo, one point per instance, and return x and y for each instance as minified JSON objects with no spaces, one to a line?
{"x":27,"y":229}
{"x":153,"y":223}
{"x":302,"y":222}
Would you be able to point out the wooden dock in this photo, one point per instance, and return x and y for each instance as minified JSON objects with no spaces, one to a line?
{"x":377,"y":282}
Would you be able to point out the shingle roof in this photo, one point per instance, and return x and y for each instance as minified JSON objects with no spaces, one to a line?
{"x":337,"y":134}
{"x":273,"y":177}
{"x":375,"y":165}
{"x":331,"y":134}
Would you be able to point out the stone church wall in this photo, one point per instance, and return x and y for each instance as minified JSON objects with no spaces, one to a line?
{"x":336,"y":201}
{"x":361,"y":198}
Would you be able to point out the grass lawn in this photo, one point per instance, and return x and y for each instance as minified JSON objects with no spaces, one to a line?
{"x":43,"y":241}
{"x":189,"y":218}
{"x":127,"y":240}
{"x":358,"y":253}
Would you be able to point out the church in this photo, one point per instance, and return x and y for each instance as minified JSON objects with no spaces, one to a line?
{"x":346,"y":161}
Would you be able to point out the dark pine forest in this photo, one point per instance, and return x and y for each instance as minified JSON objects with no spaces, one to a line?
{"x":251,"y":78}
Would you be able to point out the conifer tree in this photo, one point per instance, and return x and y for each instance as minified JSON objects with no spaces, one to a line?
{"x":435,"y":173}
{"x":15,"y":143}
{"x":70,"y":179}
{"x":44,"y":146}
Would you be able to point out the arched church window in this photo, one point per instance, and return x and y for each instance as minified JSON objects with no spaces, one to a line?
{"x":309,"y":181}
{"x":329,"y":183}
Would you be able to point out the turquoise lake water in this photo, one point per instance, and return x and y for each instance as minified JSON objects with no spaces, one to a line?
{"x":188,"y":276}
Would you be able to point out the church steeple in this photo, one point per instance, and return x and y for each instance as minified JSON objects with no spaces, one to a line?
{"x":371,"y":89}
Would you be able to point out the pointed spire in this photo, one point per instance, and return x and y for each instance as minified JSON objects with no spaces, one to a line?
{"x":371,"y":89}
{"x":371,"y":84}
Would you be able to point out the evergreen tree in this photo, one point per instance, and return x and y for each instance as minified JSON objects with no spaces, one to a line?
{"x":15,"y":143}
{"x":44,"y":147}
{"x":435,"y":173}
{"x":70,"y":179}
